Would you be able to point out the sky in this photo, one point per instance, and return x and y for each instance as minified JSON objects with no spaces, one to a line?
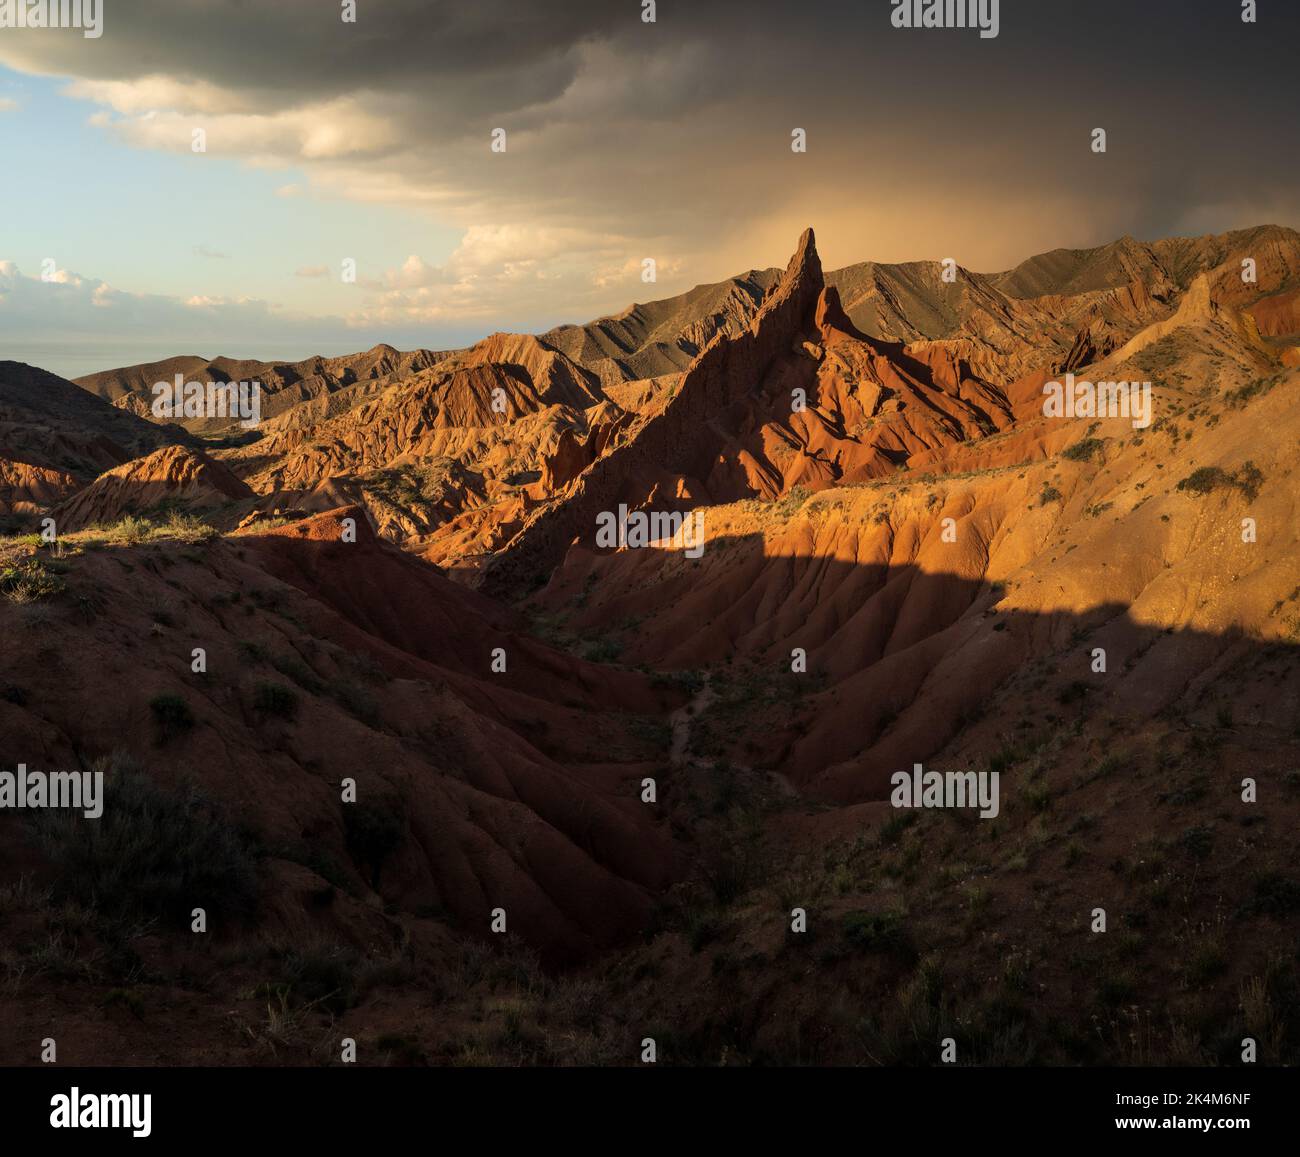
{"x":371,"y":141}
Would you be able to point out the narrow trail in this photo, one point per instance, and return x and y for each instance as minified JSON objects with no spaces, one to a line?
{"x":681,"y":720}
{"x":679,"y":750}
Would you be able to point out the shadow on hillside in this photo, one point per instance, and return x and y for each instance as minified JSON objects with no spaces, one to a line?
{"x":888,"y":664}
{"x":902,"y":666}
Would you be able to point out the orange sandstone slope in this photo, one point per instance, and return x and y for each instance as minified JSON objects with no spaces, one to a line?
{"x":452,"y":453}
{"x":801,"y":397}
{"x":498,"y":459}
{"x":179,"y":479}
{"x":936,"y":596}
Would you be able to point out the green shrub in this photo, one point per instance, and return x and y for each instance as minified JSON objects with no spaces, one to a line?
{"x":892,"y":829}
{"x":1260,"y":386}
{"x":27,"y":581}
{"x":153,"y":854}
{"x":275,"y":699}
{"x":323,"y":975}
{"x":126,"y":998}
{"x":129,"y":531}
{"x":172,"y":714}
{"x":881,"y":932}
{"x":792,"y":502}
{"x":1248,"y":479}
{"x":1198,"y":841}
{"x":1207,"y":479}
{"x":187,"y":528}
{"x":1084,"y":450}
{"x":603,"y":651}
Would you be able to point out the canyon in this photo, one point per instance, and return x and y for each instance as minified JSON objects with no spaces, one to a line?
{"x":881,"y":489}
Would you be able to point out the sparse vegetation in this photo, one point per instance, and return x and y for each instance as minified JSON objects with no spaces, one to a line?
{"x":767,"y":906}
{"x":154,"y":853}
{"x":883,"y":932}
{"x":413,"y":486}
{"x":172,"y":715}
{"x":790,"y":504}
{"x":1084,"y":450}
{"x":1207,"y":479}
{"x":1255,"y":389}
{"x":275,"y":699}
{"x":29,"y":581}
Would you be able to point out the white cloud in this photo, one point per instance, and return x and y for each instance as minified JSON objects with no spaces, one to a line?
{"x":149,"y":117}
{"x":76,"y":325}
{"x":533,"y":267}
{"x":158,"y":92}
{"x":71,"y":307}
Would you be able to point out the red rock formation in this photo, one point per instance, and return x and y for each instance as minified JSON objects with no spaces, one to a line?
{"x":174,"y":475}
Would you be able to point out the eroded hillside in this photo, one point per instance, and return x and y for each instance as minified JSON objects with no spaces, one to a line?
{"x":644,"y":759}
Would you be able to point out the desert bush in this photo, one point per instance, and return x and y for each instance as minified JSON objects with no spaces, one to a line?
{"x":188,"y":528}
{"x":791,"y":503}
{"x":1084,"y":450}
{"x":1207,"y":479}
{"x":28,"y":581}
{"x":172,"y":714}
{"x":130,"y":531}
{"x":275,"y":699}
{"x":320,"y":975}
{"x":1260,"y":386}
{"x":882,"y":932}
{"x":153,"y":854}
{"x":1198,"y":841}
{"x":1248,"y":480}
{"x":892,"y":829}
{"x":602,"y":651}
{"x":292,"y":667}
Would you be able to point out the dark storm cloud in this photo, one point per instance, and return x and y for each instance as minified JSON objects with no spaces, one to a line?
{"x":675,"y":136}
